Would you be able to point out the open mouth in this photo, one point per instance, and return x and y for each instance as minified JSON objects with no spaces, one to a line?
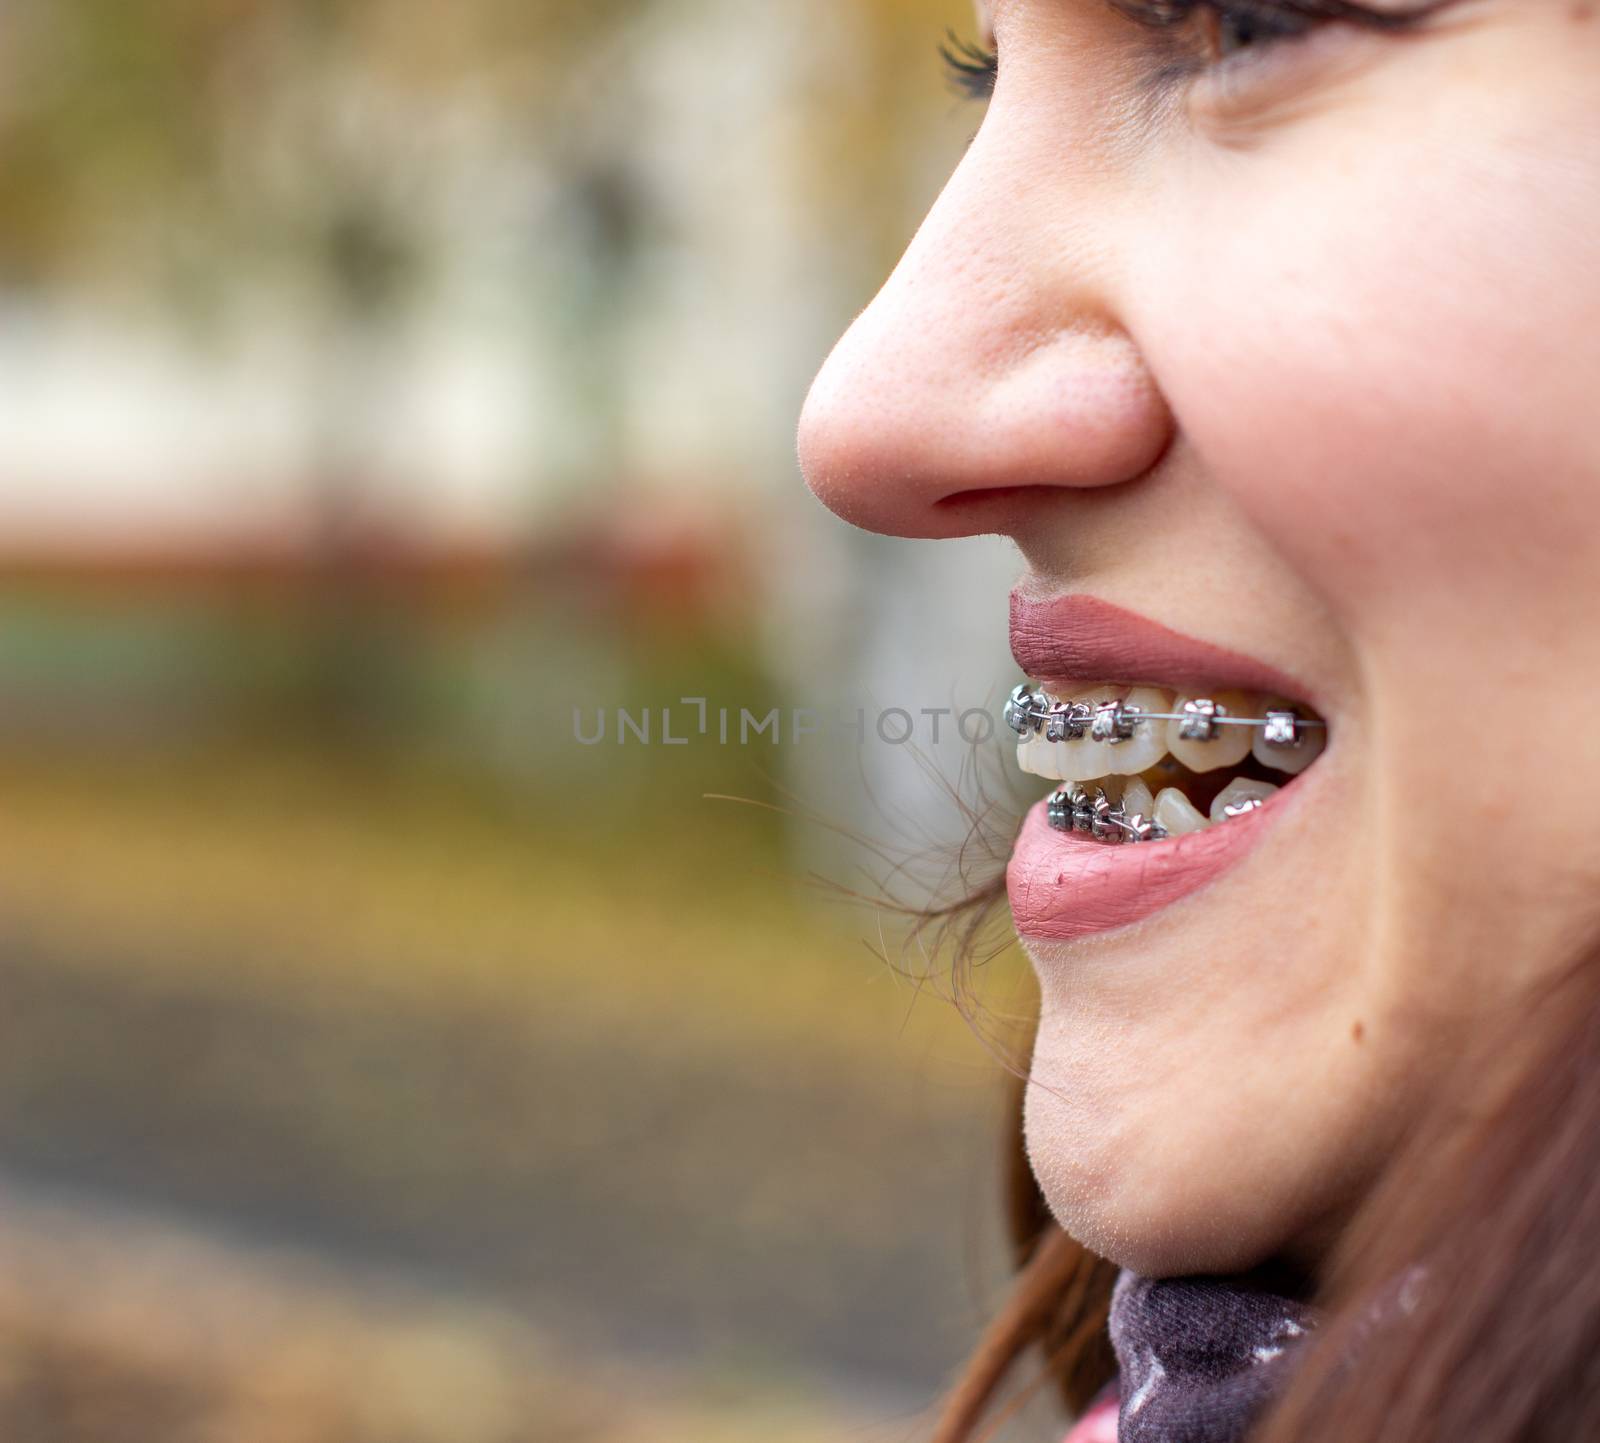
{"x":1141,"y":764}
{"x":1199,"y":768}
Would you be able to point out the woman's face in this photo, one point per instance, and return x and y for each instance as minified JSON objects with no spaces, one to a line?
{"x":1295,"y":353}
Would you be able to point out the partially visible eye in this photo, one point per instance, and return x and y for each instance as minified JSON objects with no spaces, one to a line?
{"x":1231,"y":28}
{"x":1219,"y":30}
{"x":971,"y":68}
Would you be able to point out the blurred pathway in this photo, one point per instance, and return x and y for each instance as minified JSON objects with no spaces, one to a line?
{"x":728,"y":1213}
{"x":117,"y":1327}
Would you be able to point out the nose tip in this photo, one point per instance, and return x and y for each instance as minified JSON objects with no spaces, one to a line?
{"x":974,"y":389}
{"x":892,"y":447}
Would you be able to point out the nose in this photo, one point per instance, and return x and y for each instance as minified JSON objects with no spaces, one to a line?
{"x":992,"y":371}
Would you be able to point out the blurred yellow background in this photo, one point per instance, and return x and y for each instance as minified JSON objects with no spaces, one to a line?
{"x":390,"y":391}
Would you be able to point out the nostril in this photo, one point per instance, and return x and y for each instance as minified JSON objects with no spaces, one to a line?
{"x":913,"y":463}
{"x":987,"y":496}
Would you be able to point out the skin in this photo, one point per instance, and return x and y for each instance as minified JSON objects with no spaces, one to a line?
{"x":1299,"y":357}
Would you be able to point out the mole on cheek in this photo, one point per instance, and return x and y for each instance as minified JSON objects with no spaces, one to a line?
{"x":1358,"y":1030}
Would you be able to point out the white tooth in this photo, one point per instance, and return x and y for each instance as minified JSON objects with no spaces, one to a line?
{"x":1087,"y":760}
{"x":1136,"y":798}
{"x":1080,"y":761}
{"x":1147,"y":745}
{"x":1177,"y":813}
{"x":1038,"y":757}
{"x":1228,"y":746}
{"x":1240,"y":789}
{"x":1287,"y":759}
{"x":1149,"y":741}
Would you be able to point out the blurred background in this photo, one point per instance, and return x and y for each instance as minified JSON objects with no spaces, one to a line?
{"x":402,"y":565}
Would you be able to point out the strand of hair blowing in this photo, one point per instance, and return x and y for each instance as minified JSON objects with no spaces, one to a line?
{"x":1056,"y":1310}
{"x":1498,"y":1200}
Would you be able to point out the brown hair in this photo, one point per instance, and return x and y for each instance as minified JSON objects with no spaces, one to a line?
{"x":1057,"y":1308}
{"x":1465,"y":1301}
{"x":1056,"y":1311}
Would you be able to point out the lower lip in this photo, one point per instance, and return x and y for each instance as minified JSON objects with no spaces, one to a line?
{"x":1064,"y":885}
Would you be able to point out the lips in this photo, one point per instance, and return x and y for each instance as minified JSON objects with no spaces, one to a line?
{"x":1064,"y":885}
{"x":1081,"y":638}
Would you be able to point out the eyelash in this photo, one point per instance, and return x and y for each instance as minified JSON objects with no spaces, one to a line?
{"x":973,"y":69}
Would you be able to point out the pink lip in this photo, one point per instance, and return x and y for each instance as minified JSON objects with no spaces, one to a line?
{"x":1064,"y":885}
{"x":1084,"y":639}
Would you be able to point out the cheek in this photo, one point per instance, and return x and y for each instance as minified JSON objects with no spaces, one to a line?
{"x":1391,"y":373}
{"x":1391,"y":366}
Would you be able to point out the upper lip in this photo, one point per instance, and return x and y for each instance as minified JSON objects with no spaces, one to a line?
{"x":1082,"y":639}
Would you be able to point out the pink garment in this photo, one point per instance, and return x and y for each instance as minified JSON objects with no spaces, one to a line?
{"x":1098,"y":1425}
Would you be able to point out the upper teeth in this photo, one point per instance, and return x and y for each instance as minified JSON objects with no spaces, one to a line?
{"x":1227,"y":745}
{"x":1088,"y":734}
{"x":1113,"y":744}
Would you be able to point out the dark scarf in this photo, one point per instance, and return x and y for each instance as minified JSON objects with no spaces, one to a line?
{"x":1201,"y":1358}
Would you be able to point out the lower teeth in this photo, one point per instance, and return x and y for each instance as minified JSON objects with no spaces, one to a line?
{"x":1078,"y":809}
{"x":1088,"y":810}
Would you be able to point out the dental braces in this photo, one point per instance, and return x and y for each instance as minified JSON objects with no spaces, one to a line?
{"x":1030,"y":712}
{"x":1081,"y":809}
{"x":1077,"y":808}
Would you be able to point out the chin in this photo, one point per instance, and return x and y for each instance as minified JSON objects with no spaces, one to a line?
{"x":1156,"y":1200}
